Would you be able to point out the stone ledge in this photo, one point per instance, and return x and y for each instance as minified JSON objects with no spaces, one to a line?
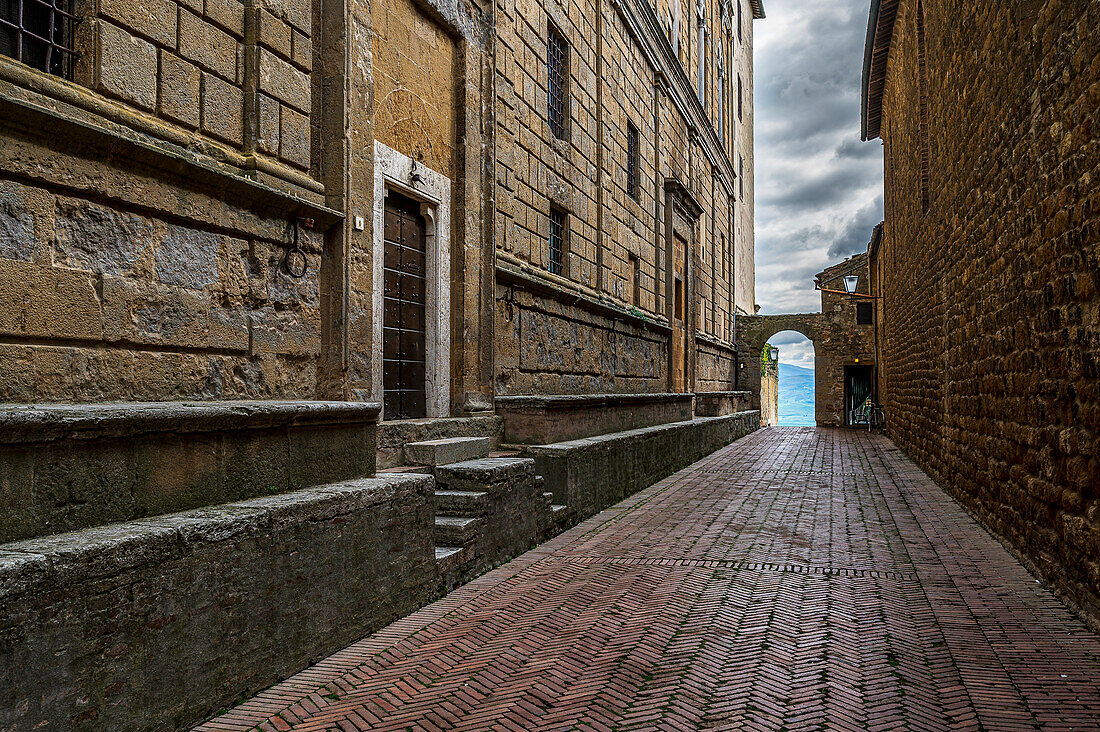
{"x":69,"y":467}
{"x":545,"y":419}
{"x":25,"y":423}
{"x":592,"y":473}
{"x":720,"y":403}
{"x":215,"y":604}
{"x":585,"y":401}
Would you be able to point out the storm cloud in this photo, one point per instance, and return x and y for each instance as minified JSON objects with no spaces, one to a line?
{"x":818,"y":187}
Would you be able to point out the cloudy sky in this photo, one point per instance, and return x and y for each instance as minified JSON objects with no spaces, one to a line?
{"x":818,"y":188}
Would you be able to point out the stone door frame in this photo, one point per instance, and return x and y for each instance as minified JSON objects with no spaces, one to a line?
{"x":398,"y":172}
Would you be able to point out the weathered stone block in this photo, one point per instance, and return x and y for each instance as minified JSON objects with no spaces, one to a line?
{"x":222,"y":109}
{"x":302,"y":54}
{"x":48,"y":301}
{"x":188,"y":258}
{"x":274,"y":34}
{"x":99,"y":239}
{"x":294,"y":144}
{"x":17,"y":224}
{"x":180,"y":89}
{"x":284,"y":82}
{"x":208,"y":46}
{"x":267,"y":109}
{"x":229,"y":14}
{"x":560,"y":417}
{"x":153,"y":19}
{"x":127,"y":66}
{"x":447,"y":450}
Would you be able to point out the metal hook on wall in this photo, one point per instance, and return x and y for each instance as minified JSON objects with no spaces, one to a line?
{"x":295,"y":262}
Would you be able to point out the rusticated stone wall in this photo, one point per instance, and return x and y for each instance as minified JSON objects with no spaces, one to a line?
{"x":991,"y":272}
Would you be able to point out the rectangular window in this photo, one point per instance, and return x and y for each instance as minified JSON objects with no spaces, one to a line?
{"x":636,"y":280}
{"x":865,"y":314}
{"x":740,"y":37}
{"x":741,"y":176}
{"x":740,"y":100}
{"x":558,"y":234}
{"x":40,"y":34}
{"x":632,"y":156}
{"x":557,"y":65}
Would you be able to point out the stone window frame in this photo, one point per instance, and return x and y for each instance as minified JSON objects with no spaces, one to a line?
{"x":633,"y":160}
{"x":634,"y":269}
{"x":558,"y":218}
{"x":60,"y":55}
{"x":394,"y":171}
{"x":558,"y":107}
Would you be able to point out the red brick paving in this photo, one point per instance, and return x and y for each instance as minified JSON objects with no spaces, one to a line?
{"x":798,"y":579}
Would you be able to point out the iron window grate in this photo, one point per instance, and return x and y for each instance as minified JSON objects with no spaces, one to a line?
{"x":632,"y":154}
{"x":40,"y":33}
{"x":557,"y":61}
{"x":557,"y":241}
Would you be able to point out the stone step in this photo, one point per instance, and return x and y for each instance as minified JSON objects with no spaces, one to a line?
{"x":456,"y":530}
{"x":461,"y":503}
{"x":446,"y":451}
{"x":450,"y":559}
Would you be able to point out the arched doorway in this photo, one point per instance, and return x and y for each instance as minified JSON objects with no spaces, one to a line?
{"x":788,"y":388}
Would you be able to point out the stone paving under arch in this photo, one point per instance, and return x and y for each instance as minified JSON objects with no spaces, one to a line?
{"x":800,"y":578}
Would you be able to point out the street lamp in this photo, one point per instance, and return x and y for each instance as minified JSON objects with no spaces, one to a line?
{"x":850,"y":282}
{"x":773,"y":353}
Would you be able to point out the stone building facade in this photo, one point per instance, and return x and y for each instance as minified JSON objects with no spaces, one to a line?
{"x":988,"y":264}
{"x":199,"y":201}
{"x":623,"y":213}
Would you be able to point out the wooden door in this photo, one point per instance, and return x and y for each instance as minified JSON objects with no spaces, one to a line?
{"x":403,"y":306}
{"x":679,"y":313}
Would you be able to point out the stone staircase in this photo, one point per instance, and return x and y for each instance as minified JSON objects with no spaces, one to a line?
{"x":474,"y":493}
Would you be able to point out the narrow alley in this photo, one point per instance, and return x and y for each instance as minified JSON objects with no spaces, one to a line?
{"x":800,"y":578}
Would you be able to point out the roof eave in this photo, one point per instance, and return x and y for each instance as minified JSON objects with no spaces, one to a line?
{"x":876,"y":53}
{"x":757,"y":9}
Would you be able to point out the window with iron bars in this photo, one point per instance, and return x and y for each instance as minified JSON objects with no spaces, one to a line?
{"x":558,"y":234}
{"x":632,"y":155}
{"x":40,"y":33}
{"x":557,"y":63}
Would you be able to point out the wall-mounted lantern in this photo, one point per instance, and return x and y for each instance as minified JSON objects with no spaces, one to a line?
{"x":773,"y":353}
{"x":850,"y":282}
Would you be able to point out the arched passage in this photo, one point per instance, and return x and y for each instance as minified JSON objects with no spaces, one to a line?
{"x":787,"y":387}
{"x":754,"y":332}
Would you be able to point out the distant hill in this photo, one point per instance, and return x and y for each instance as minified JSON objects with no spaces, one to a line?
{"x":796,"y":395}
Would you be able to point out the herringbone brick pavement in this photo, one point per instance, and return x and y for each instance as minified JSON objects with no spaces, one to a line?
{"x":799,"y":579}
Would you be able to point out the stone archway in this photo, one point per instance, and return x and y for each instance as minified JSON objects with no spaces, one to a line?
{"x":753,"y":333}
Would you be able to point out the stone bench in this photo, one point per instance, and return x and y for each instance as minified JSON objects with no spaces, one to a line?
{"x":68,"y":467}
{"x":541,"y":420}
{"x":721,"y":403}
{"x":590,"y":474}
{"x":159,"y":623}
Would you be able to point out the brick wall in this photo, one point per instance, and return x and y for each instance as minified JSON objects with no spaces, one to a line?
{"x":991,"y":333}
